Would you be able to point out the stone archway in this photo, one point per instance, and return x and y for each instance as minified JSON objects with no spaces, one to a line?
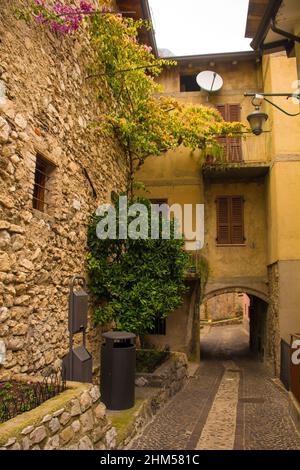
{"x":258,"y":314}
{"x":209,"y":293}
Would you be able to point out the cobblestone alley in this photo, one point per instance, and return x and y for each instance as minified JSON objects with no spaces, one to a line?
{"x":231,"y":403}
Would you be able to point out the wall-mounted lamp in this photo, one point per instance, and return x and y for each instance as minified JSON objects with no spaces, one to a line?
{"x":257,"y":118}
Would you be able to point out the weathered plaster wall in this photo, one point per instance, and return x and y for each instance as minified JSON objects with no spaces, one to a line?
{"x":238,"y":78}
{"x":280,"y":75}
{"x":268,"y":264}
{"x":48,"y":107}
{"x":283,"y":202}
{"x":289,"y":298}
{"x":177,"y":176}
{"x":223,"y":306}
{"x":284,"y":210}
{"x":237,"y":262}
{"x":182,"y":326}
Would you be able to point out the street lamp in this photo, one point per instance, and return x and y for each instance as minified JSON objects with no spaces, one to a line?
{"x":257,"y":118}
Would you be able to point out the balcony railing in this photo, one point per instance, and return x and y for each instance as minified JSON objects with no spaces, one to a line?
{"x":248,"y":149}
{"x":230,"y":151}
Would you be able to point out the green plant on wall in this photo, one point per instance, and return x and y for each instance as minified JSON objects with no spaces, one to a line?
{"x":134,"y":282}
{"x":145,"y":122}
{"x":122,"y":72}
{"x":203,"y":269}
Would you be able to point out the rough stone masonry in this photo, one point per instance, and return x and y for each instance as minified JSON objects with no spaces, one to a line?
{"x":46,"y":107}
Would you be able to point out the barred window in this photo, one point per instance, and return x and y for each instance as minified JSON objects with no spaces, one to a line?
{"x":162,"y":206}
{"x":159,"y":327}
{"x":41,"y":189}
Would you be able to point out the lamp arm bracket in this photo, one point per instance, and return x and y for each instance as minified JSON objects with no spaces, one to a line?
{"x":280,"y":109}
{"x":262,"y":95}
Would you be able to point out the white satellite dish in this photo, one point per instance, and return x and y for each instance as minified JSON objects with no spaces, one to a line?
{"x":209,"y":81}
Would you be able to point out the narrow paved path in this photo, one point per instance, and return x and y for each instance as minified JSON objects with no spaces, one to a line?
{"x":232,"y":403}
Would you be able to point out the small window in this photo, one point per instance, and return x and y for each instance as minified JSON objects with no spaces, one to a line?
{"x":42,"y":175}
{"x":161,"y":202}
{"x":188,"y":83}
{"x":230,"y":220}
{"x":159,"y":327}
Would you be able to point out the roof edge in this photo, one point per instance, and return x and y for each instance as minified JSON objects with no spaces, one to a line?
{"x":147,"y":15}
{"x":246,"y":55}
{"x":270,"y":13}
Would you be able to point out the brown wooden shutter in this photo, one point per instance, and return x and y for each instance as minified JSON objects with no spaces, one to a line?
{"x":234,"y":143}
{"x":234,"y":112}
{"x":222,"y":108}
{"x":230,"y":220}
{"x":223,"y":220}
{"x":237,"y":220}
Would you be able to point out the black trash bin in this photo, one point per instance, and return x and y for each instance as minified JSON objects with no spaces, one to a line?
{"x":118,"y":370}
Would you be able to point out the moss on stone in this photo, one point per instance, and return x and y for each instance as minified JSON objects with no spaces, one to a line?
{"x":123,"y":421}
{"x":147,"y":360}
{"x":14,"y":426}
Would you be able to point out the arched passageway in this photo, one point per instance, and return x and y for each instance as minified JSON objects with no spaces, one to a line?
{"x":233,"y":324}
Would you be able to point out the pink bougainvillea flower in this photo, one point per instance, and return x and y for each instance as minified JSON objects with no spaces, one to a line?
{"x":106,"y":9}
{"x":68,"y":17}
{"x":86,"y":6}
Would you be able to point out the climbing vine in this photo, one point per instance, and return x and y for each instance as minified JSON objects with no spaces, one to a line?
{"x":145,"y":122}
{"x":133,"y":281}
{"x":59,"y":17}
{"x":123,"y":72}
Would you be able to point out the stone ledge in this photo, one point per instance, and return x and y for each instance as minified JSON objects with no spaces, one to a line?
{"x":164,"y":383}
{"x":75,"y":419}
{"x":14,"y":426}
{"x":167,"y":372}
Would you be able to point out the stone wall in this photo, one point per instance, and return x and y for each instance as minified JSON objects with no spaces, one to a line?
{"x":164,"y":382}
{"x":74,"y":420}
{"x":46,"y":107}
{"x":272,"y":336}
{"x":77,"y":420}
{"x":223,"y":306}
{"x":170,"y":376}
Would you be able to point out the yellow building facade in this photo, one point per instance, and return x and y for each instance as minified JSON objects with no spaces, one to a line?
{"x":264,"y":172}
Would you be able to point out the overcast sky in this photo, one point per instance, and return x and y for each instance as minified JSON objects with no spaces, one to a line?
{"x":188,"y":27}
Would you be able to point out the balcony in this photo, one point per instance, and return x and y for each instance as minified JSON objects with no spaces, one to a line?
{"x":239,"y":157}
{"x":231,"y":151}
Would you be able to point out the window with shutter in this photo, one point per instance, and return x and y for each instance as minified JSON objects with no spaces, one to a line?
{"x":223,"y":140}
{"x":237,"y":222}
{"x":230,"y":220}
{"x":159,"y":328}
{"x":223,"y":219}
{"x":232,"y":145}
